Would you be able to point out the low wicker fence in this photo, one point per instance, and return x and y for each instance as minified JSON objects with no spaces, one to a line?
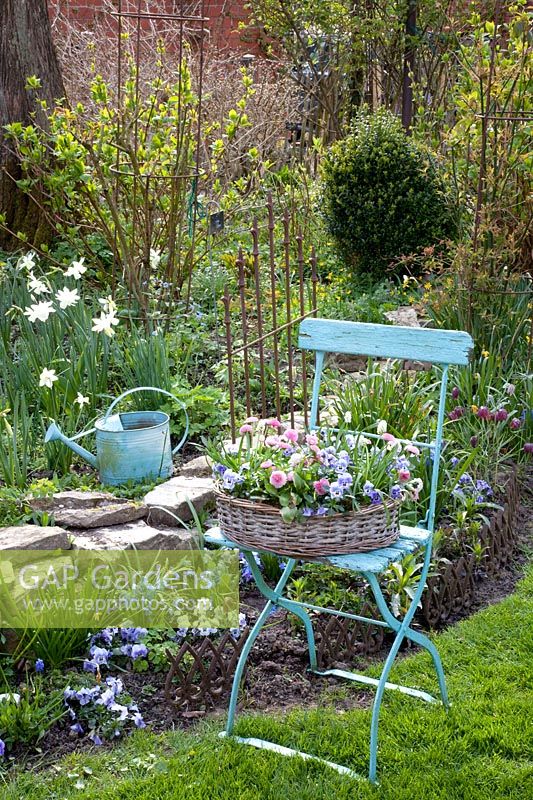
{"x":201,"y":673}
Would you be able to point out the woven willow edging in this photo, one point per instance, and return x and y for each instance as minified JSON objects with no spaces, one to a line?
{"x":259,"y":526}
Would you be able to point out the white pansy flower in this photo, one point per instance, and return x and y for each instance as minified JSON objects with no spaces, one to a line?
{"x":104,"y":323}
{"x":76,"y":269}
{"x":37,"y":286}
{"x":47,"y":378}
{"x":155,"y":258}
{"x":81,"y":400}
{"x":67,"y":297}
{"x":382,"y":426}
{"x":39,"y":311}
{"x":27,"y":261}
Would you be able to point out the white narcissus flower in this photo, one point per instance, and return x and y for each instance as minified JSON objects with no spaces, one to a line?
{"x":348,"y":417}
{"x":27,"y":261}
{"x":155,"y":258}
{"x":76,"y":269}
{"x":382,"y":426}
{"x":47,"y":378}
{"x":108,"y":304}
{"x":104,"y":323}
{"x":39,"y":311}
{"x":81,"y":400}
{"x":37,"y":286}
{"x":67,"y":297}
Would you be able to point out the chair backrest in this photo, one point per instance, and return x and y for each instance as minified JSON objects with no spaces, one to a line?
{"x":389,"y":341}
{"x":386,"y":341}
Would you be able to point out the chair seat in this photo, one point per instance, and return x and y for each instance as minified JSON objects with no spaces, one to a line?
{"x":373,"y":561}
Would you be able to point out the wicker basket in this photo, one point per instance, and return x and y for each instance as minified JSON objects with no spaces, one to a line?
{"x":259,"y":526}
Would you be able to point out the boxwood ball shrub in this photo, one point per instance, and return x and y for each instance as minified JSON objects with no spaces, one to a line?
{"x":383,"y":195}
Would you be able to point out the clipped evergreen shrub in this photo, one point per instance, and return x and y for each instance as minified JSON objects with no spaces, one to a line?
{"x":383,"y":194}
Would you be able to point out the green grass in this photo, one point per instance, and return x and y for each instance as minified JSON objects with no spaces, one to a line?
{"x":481,"y":750}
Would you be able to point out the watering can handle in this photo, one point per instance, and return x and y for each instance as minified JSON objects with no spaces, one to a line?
{"x":161,"y":391}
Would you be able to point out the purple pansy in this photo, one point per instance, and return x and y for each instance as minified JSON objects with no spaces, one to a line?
{"x":99,"y":655}
{"x":138,"y":721}
{"x":139,"y":651}
{"x":396,"y":492}
{"x":77,"y":728}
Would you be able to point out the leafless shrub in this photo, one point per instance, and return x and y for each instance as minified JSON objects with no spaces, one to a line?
{"x":89,"y":47}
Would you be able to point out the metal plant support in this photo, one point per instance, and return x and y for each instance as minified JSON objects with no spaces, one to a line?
{"x":261,"y":283}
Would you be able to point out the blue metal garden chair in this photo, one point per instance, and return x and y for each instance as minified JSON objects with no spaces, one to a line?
{"x":383,"y":341}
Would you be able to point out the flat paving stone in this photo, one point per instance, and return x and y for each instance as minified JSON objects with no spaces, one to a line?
{"x":196,"y":468}
{"x":34,"y":537}
{"x":100,"y":516}
{"x":135,"y":535}
{"x":172,"y":496}
{"x":89,"y":509}
{"x":74,"y":499}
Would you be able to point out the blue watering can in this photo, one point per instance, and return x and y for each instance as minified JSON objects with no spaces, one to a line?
{"x":132,"y":446}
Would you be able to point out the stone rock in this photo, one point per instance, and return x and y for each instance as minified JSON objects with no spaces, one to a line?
{"x":348,"y":363}
{"x":404,"y":315}
{"x":136,"y":535}
{"x":172,"y":496}
{"x":100,"y":516}
{"x":73,"y":499}
{"x":417,"y":366}
{"x":89,"y":509}
{"x":196,"y":468}
{"x":34,"y":537}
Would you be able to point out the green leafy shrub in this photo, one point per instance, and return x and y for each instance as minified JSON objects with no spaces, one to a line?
{"x":207,"y":407}
{"x":383,"y":195}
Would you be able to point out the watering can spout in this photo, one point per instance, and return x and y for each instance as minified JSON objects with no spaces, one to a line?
{"x":53,"y":434}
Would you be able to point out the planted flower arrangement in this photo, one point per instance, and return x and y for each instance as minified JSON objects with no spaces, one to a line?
{"x":311,"y":495}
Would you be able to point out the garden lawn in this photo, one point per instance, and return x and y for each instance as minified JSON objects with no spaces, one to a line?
{"x":481,"y":750}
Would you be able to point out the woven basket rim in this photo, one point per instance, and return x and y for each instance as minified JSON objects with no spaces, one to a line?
{"x":267,"y":508}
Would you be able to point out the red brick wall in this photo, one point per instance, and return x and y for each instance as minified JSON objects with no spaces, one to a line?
{"x":224,"y":17}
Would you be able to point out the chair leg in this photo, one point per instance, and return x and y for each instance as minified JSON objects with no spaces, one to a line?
{"x":254,"y":633}
{"x":415,"y":636}
{"x":402,"y":631}
{"x":376,"y":707}
{"x":298,"y":611}
{"x":273,"y":596}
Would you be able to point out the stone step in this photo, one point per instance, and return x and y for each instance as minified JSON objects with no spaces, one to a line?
{"x":135,"y":535}
{"x":196,"y":468}
{"x":89,"y":509}
{"x":172,"y":496}
{"x":34,"y":537}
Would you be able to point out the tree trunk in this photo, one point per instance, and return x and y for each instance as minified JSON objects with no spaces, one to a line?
{"x":26,"y":49}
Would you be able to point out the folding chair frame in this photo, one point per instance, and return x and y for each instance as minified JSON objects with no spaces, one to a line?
{"x":326,"y":336}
